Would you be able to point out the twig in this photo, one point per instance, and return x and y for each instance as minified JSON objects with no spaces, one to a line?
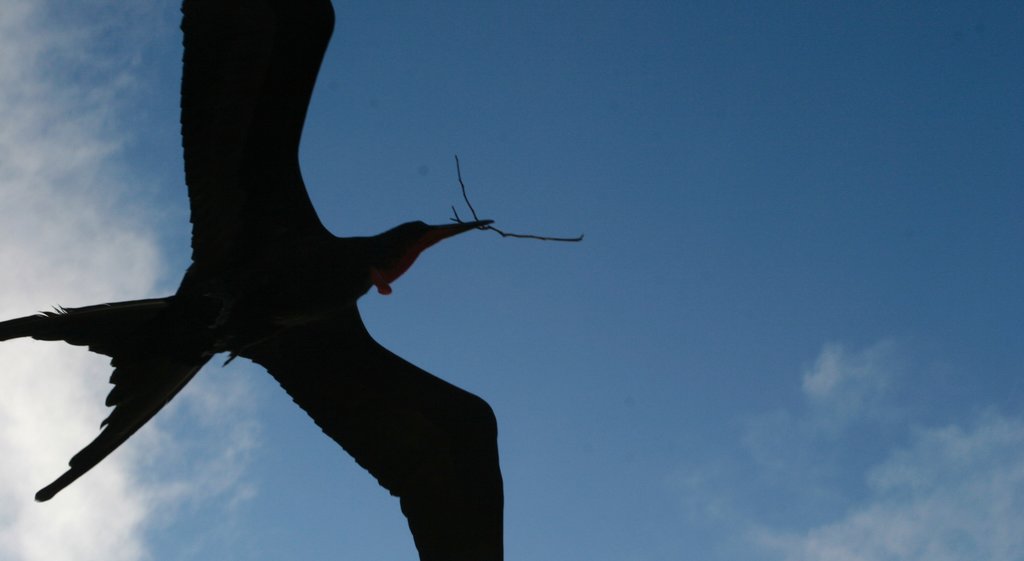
{"x":457,"y":219}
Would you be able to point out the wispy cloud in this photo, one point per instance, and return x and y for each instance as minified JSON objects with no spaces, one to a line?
{"x":845,"y":473}
{"x":843,"y":391}
{"x":69,"y":235}
{"x":844,"y":386}
{"x":208,"y":459}
{"x":954,"y":494}
{"x":941,"y":494}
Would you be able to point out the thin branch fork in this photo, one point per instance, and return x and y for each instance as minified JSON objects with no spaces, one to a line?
{"x":504,"y":234}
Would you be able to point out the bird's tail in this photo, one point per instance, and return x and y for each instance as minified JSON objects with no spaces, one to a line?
{"x":149,"y":370}
{"x":104,"y":328}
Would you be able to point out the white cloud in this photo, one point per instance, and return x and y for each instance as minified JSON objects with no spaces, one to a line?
{"x":842,"y":475}
{"x":210,"y":461}
{"x":846,"y":386}
{"x":844,"y":392}
{"x":68,"y":236}
{"x":954,"y":494}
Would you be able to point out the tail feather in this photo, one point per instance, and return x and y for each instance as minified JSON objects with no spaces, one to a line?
{"x":149,"y":369}
{"x":103,"y":328}
{"x":153,"y":382}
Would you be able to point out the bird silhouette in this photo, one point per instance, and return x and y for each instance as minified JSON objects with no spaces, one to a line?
{"x":270,"y":283}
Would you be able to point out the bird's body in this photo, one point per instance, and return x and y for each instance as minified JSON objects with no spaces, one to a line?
{"x":268,"y":282}
{"x":293,"y":282}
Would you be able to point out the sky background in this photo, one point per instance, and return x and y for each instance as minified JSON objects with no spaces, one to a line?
{"x":793,"y":331}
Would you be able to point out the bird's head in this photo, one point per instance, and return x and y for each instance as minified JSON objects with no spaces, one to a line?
{"x":395,"y":251}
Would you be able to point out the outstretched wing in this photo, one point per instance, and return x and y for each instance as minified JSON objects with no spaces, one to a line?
{"x":428,"y":442}
{"x":249,"y":70}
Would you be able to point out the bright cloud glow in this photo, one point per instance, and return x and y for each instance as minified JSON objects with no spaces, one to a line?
{"x":57,"y":240}
{"x":69,"y":236}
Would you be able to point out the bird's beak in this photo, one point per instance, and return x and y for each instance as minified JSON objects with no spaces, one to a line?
{"x":438,"y":233}
{"x":443,"y":231}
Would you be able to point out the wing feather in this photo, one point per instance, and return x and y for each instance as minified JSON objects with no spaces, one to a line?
{"x":249,"y":71}
{"x":428,"y":442}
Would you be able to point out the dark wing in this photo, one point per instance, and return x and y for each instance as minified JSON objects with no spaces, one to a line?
{"x":249,"y":70}
{"x":428,"y":442}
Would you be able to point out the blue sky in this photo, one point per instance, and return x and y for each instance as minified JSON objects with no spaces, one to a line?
{"x":793,"y":331}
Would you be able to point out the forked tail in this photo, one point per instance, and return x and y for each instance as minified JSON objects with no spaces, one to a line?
{"x":149,"y":367}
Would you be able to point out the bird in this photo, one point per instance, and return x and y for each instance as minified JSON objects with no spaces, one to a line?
{"x":268,"y":282}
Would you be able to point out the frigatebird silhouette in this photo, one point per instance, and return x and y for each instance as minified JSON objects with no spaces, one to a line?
{"x":268,"y":282}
